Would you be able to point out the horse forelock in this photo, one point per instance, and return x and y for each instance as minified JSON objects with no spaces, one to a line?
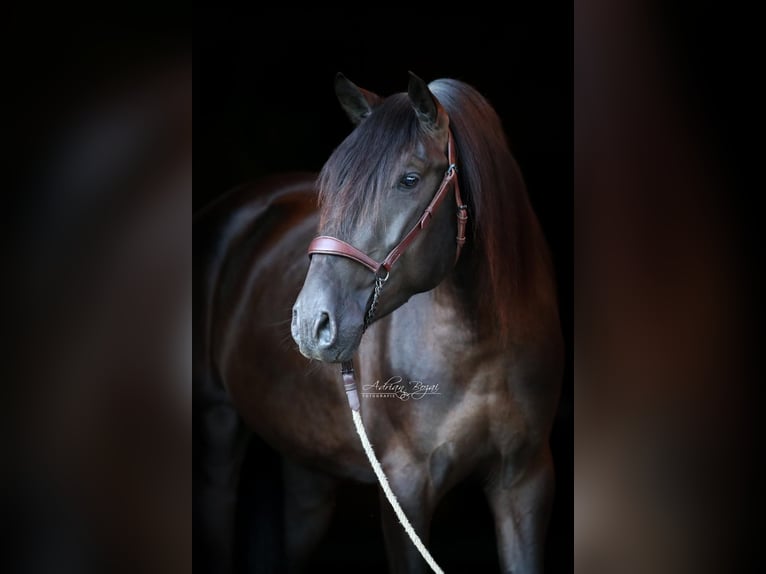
{"x":353,"y":177}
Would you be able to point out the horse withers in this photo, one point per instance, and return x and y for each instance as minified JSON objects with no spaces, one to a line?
{"x":472,"y":338}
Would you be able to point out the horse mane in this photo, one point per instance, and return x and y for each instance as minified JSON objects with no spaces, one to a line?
{"x":507,"y":262}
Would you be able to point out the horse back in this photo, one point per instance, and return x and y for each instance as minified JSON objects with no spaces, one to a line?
{"x":243,"y":224}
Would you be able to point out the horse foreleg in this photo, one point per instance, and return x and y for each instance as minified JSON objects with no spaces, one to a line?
{"x":410,"y":485}
{"x":521,"y":507}
{"x":309,"y":503}
{"x":221,"y":449}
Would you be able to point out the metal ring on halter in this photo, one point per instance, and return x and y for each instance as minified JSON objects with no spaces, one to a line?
{"x":381,"y":278}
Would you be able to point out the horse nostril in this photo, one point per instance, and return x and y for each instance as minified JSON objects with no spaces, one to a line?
{"x":324,"y":330}
{"x":294,"y":324}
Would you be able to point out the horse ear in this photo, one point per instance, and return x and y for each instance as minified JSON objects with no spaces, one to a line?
{"x":356,"y":102}
{"x":428,"y":109}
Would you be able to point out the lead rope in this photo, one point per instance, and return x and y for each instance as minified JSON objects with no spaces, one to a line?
{"x":349,"y":384}
{"x":390,"y":495}
{"x":347,"y":371}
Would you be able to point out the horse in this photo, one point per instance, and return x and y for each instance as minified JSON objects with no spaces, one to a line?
{"x":466,"y":328}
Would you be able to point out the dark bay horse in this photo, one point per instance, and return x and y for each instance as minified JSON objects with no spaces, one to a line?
{"x":480,"y":335}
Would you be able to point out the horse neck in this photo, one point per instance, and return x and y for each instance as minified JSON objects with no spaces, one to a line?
{"x":430,"y":333}
{"x":437,"y":335}
{"x":448,"y":315}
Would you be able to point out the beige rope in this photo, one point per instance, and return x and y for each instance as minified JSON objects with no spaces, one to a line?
{"x":390,"y":495}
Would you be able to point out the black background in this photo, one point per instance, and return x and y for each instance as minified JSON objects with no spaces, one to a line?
{"x":264,"y":103}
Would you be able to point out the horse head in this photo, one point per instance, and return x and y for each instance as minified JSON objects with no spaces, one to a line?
{"x":379,"y":189}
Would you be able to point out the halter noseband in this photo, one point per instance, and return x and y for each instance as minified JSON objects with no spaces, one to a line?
{"x":327,"y":245}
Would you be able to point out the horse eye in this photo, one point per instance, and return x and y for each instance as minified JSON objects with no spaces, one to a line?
{"x":410,"y":180}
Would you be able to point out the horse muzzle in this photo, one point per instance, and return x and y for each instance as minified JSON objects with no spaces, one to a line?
{"x":326,"y":327}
